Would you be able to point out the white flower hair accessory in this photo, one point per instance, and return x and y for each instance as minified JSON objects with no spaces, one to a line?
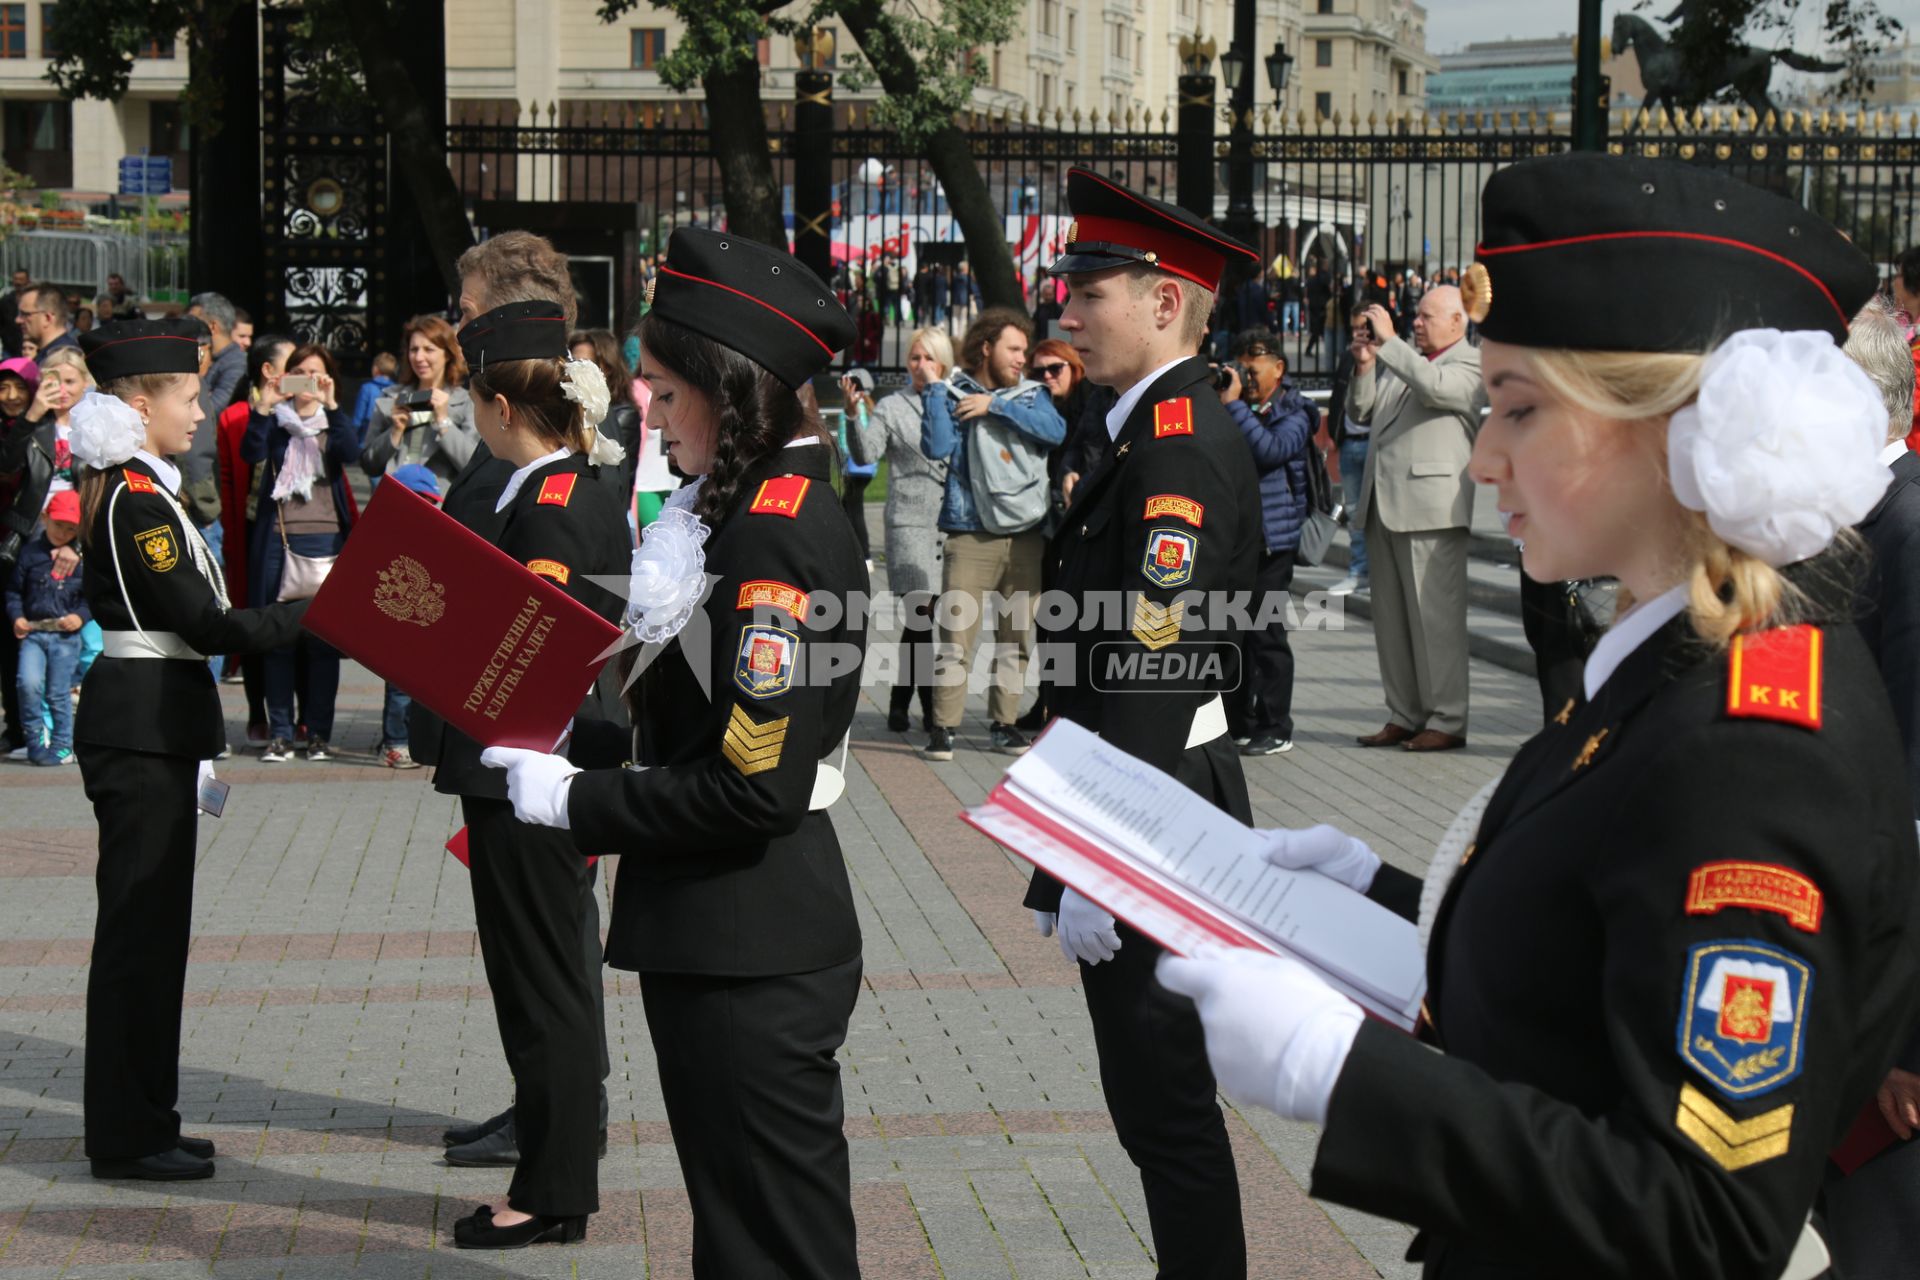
{"x":669,"y":577}
{"x":584,"y":384}
{"x":1781,"y":450}
{"x":106,"y":431}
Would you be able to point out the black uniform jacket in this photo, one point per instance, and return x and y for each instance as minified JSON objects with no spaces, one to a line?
{"x":1675,"y":964}
{"x":1170,"y":517}
{"x":168,"y":706}
{"x":571,"y":539}
{"x":726,"y":871}
{"x":1889,"y":609}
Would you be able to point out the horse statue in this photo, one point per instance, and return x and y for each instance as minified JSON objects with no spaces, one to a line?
{"x":1745,"y":70}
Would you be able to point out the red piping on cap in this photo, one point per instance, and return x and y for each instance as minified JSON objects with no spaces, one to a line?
{"x":750,"y":298}
{"x":1846,"y":321}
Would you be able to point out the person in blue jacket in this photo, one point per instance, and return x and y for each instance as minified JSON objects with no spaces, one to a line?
{"x":1278,"y":423}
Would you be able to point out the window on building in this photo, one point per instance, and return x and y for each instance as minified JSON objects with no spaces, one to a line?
{"x":996,"y":69}
{"x":1326,"y":6}
{"x":38,"y":138}
{"x":1117,"y":42}
{"x":156,"y":50}
{"x":1139,"y":51}
{"x":1323,"y":53}
{"x":1049,"y":17}
{"x":763,"y":50}
{"x":13,"y":31}
{"x":1403,"y":84}
{"x":49,"y":46}
{"x":1323,"y":105}
{"x":649,"y":46}
{"x":1073,"y":31}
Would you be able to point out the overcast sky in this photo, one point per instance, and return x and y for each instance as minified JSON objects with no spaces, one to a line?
{"x":1453,"y":23}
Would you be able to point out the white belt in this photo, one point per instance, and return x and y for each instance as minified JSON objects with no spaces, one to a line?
{"x":1209,"y":722}
{"x":1809,"y":1258}
{"x":147,"y":644}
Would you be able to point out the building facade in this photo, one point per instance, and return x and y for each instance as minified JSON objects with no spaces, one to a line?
{"x":1363,"y":58}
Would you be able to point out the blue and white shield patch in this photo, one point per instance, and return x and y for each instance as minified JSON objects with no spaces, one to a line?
{"x":764,"y":667}
{"x":1743,"y":1015}
{"x":1170,"y":556}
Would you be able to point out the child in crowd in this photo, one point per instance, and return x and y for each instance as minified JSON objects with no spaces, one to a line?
{"x":385,"y":365}
{"x":47,"y":611}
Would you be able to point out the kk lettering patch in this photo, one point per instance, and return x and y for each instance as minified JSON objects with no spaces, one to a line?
{"x":1172,"y":504}
{"x":557,"y":491}
{"x":158,"y":548}
{"x":1775,"y":675}
{"x":1173,"y":418}
{"x":780,"y":496}
{"x":767,"y":594}
{"x":764,"y":668}
{"x":1743,"y":1016}
{"x":551,"y":569}
{"x":139,"y":483}
{"x":1170,"y":556}
{"x":1758,"y":886}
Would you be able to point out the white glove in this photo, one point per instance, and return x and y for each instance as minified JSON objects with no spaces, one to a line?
{"x":537,"y":783}
{"x":1043,"y":920}
{"x":1086,"y":932}
{"x":1277,"y":1034}
{"x":1328,"y":850}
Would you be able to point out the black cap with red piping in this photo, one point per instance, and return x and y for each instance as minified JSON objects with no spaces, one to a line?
{"x":753,"y":299}
{"x":1113,"y":227}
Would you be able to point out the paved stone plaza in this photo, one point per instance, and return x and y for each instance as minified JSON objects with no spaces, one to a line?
{"x":337,"y":1017}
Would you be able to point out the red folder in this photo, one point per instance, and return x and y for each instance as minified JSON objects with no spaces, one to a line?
{"x":494,"y":649}
{"x":1869,"y":1136}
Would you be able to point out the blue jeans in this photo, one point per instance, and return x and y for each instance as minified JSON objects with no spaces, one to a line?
{"x":48,"y":660}
{"x":1353,"y":465}
{"x":393,"y":718}
{"x":1290,"y":317}
{"x":323,"y":660}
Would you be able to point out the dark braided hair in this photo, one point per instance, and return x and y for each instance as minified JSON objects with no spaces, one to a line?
{"x":755,"y":413}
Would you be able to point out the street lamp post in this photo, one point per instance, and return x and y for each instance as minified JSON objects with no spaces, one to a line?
{"x":1195,"y":137}
{"x":1235,"y":65}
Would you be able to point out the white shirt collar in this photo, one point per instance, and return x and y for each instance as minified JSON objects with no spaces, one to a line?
{"x":519,"y":477}
{"x":1117,"y":416}
{"x":795,"y":444}
{"x":164,"y":471}
{"x":1891,"y":454}
{"x":1628,"y":632}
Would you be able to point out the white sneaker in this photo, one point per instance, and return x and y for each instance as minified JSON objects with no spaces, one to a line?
{"x":1347,"y":586}
{"x":18,"y":753}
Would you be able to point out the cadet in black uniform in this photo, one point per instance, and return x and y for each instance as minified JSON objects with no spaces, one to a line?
{"x":150,"y":717}
{"x":733,"y":902}
{"x":528,"y":884}
{"x":1678,"y":952}
{"x":1173,"y":512}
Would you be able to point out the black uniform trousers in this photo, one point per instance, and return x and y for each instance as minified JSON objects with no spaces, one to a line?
{"x":528,"y":882}
{"x":1159,"y":1088}
{"x":1264,"y":701}
{"x":752,"y":1088}
{"x":147,"y":808}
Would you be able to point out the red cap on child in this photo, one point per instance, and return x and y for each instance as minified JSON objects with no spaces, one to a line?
{"x":64,"y":505}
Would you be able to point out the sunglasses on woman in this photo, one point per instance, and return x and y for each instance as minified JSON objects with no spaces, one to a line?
{"x":1049,"y":370}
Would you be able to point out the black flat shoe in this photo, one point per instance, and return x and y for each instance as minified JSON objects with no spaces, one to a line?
{"x":201,"y":1147}
{"x":459,"y":1135}
{"x":898,"y":721}
{"x":173,"y":1165}
{"x":478,"y":1231}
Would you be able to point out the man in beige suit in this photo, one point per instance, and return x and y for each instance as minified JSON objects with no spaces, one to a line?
{"x":1415,"y":505}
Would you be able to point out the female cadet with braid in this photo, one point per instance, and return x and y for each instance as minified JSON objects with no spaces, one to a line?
{"x":734,"y":904}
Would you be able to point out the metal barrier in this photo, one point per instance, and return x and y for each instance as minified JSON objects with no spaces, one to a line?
{"x":155,"y":268}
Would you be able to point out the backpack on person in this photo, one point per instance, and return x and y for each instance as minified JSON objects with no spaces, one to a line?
{"x":1006,"y":470}
{"x":1317,"y":530}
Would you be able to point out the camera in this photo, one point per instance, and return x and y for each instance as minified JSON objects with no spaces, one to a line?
{"x":1223,"y":376}
{"x":418,"y":404}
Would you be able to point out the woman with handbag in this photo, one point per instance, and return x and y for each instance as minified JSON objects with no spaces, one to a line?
{"x":304,"y":444}
{"x":857,"y":466}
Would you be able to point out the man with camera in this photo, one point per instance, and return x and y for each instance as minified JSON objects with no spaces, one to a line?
{"x":1278,"y":423}
{"x":1423,"y":403}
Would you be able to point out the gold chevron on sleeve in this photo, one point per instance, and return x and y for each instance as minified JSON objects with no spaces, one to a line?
{"x":1157,"y":625}
{"x":1733,"y":1144}
{"x":753,"y":748}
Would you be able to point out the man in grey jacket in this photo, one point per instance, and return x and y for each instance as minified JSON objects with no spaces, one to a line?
{"x":199,"y":466}
{"x":1415,"y":506}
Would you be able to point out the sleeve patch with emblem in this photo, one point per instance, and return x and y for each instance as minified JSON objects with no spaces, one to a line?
{"x":1157,"y":626}
{"x":764,"y":667}
{"x":1169,"y":558}
{"x":159,"y":548}
{"x":750,"y":747}
{"x":139,"y":483}
{"x":1172,"y":504}
{"x":551,"y":569}
{"x":557,"y":491}
{"x":780,"y":496}
{"x":1733,"y":1144}
{"x":1743,"y":1015}
{"x":1759,"y":886}
{"x":1775,"y":675}
{"x":1173,"y":418}
{"x":768,"y":594}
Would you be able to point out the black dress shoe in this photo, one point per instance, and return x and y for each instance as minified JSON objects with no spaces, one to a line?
{"x":478,"y":1232}
{"x":459,"y":1135}
{"x":898,"y":721}
{"x":173,"y":1165}
{"x":201,"y":1147}
{"x":501,"y":1147}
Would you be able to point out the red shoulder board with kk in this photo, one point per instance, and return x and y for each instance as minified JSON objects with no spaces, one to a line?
{"x":780,"y":496}
{"x":139,"y":483}
{"x":557,"y":490}
{"x":1173,"y":418}
{"x":1775,"y":675}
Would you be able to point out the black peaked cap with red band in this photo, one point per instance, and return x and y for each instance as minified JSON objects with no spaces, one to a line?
{"x":1113,"y":227}
{"x":1615,"y":253}
{"x":130,"y":348}
{"x":517,"y":331}
{"x":753,"y":299}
